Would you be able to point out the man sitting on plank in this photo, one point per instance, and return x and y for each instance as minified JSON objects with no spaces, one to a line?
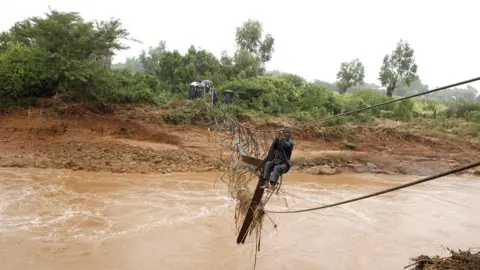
{"x":282,"y":147}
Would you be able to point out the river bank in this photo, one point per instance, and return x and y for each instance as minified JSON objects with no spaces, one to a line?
{"x":135,"y":140}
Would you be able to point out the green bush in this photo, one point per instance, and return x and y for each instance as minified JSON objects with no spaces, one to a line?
{"x":472,"y":116}
{"x":190,"y":112}
{"x":22,"y":74}
{"x":404,"y":109}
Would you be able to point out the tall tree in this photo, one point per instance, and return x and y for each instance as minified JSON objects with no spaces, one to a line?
{"x":246,"y":65}
{"x":206,"y":64}
{"x":151,"y":60}
{"x":351,"y":74}
{"x":398,"y":68}
{"x":226,"y":66}
{"x":249,"y":38}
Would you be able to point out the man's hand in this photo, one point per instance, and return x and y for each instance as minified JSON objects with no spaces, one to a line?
{"x":280,"y":134}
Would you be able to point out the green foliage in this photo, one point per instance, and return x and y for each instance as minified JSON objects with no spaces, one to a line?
{"x":473,"y":116}
{"x":404,"y":109}
{"x":112,"y":86}
{"x":398,"y":68}
{"x":351,"y":74}
{"x":62,"y":54}
{"x":188,"y":112}
{"x":22,"y":74}
{"x":294,"y":79}
{"x":462,"y":108}
{"x":249,"y":40}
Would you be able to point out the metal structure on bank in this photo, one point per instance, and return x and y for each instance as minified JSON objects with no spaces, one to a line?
{"x":205,"y":90}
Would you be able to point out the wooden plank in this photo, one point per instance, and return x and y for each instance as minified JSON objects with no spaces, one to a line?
{"x":258,"y":193}
{"x":252,"y":165}
{"x":252,"y":161}
{"x":257,"y":198}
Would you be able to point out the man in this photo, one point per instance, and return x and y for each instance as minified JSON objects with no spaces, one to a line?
{"x":214,"y":98}
{"x":282,"y":147}
{"x":228,"y":95}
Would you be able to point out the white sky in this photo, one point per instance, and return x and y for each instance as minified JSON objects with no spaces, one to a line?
{"x":312,"y":37}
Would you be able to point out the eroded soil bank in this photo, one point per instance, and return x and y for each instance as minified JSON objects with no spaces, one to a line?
{"x":136,"y":140}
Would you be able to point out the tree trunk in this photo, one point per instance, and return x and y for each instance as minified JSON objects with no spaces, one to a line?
{"x":390,"y":91}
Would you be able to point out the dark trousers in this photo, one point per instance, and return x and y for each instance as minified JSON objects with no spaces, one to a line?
{"x":273,"y":171}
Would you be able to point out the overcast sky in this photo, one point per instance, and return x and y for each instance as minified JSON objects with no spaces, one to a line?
{"x":312,"y":37}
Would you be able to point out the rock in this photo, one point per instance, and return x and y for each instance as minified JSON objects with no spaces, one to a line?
{"x":70,"y":164}
{"x":322,"y":170}
{"x":360,"y":169}
{"x":477,"y":172}
{"x":371,"y":165}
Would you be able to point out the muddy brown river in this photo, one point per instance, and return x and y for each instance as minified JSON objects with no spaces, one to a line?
{"x":54,"y":219}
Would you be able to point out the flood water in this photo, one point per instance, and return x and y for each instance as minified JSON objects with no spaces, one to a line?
{"x":54,"y":219}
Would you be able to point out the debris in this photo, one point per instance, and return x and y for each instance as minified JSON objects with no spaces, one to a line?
{"x":465,"y":260}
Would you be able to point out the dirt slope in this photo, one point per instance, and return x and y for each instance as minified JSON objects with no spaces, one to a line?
{"x":135,"y":140}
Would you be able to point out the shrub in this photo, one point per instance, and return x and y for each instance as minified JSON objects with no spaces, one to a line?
{"x":191,"y":112}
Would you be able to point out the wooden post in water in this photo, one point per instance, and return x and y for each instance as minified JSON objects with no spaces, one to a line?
{"x":256,"y":199}
{"x":258,"y":194}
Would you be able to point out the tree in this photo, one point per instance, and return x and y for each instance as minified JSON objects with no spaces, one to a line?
{"x":22,"y":72}
{"x":398,"y":68}
{"x":151,"y":60}
{"x":61,"y":53}
{"x":206,"y":64}
{"x":175,"y":69}
{"x":294,"y":79}
{"x":315,"y":97}
{"x":226,"y":66}
{"x":172,"y":70}
{"x":246,"y":65}
{"x":131,"y":63}
{"x":69,"y":50}
{"x":249,"y":38}
{"x":351,"y":74}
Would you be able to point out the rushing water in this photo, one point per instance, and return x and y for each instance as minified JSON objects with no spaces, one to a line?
{"x":53,"y":219}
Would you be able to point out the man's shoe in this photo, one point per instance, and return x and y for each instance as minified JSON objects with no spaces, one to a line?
{"x":266,"y":184}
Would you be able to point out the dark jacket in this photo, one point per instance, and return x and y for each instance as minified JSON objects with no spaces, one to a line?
{"x":283,"y":151}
